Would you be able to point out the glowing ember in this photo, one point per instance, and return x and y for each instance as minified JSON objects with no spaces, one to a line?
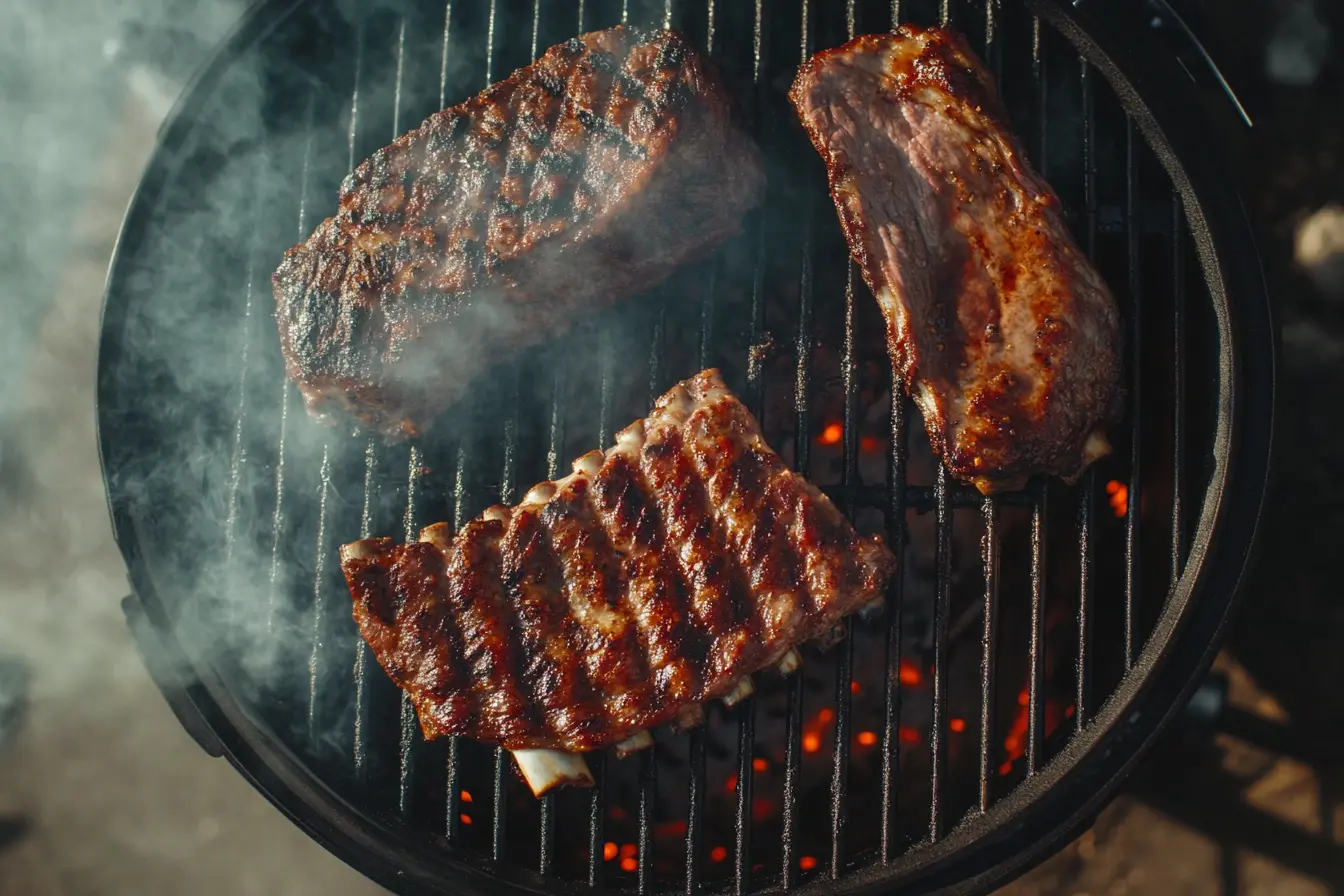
{"x":610,"y":850}
{"x":908,"y":735}
{"x":762,"y":809}
{"x":957,"y":725}
{"x":670,"y":830}
{"x":832,"y":434}
{"x":854,"y":687}
{"x":811,"y":742}
{"x":807,"y":863}
{"x":867,"y":738}
{"x":1069,"y":711}
{"x":465,"y":818}
{"x":825,"y":715}
{"x":1119,"y":497}
{"x":630,"y":864}
{"x":910,"y":674}
{"x":629,"y":850}
{"x":466,"y":797}
{"x":1016,"y":741}
{"x":731,"y":784}
{"x":718,"y":853}
{"x":869,"y":445}
{"x":759,"y":765}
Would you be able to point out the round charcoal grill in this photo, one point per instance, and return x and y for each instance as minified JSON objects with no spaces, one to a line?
{"x":1033,"y":644}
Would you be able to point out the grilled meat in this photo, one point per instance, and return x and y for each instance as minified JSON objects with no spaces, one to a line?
{"x":579,"y":180}
{"x":658,"y":575}
{"x":1003,"y":331}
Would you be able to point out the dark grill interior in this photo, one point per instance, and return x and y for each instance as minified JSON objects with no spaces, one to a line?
{"x":1013,"y":619}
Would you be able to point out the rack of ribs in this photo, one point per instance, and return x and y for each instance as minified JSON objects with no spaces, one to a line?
{"x":574,"y":183}
{"x":660,"y":574}
{"x":1005,"y":334}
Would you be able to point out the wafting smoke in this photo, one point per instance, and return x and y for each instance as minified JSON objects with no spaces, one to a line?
{"x":1300,"y":45}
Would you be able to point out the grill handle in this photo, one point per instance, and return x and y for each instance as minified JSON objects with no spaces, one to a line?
{"x":162,"y":665}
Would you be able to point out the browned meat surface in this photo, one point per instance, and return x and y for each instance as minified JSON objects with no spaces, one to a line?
{"x":1003,"y":331}
{"x":653,"y":578}
{"x":579,"y":180}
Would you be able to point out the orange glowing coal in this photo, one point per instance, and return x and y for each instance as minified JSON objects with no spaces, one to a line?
{"x":807,"y":863}
{"x":759,"y":765}
{"x":731,"y":784}
{"x":910,"y":674}
{"x":867,"y":738}
{"x":718,"y":853}
{"x":466,"y":797}
{"x":908,"y":735}
{"x":832,"y":434}
{"x":630,"y":864}
{"x":869,"y":445}
{"x":957,"y":725}
{"x":610,"y":850}
{"x":811,"y":742}
{"x":465,"y":818}
{"x":1119,"y":497}
{"x":854,"y":687}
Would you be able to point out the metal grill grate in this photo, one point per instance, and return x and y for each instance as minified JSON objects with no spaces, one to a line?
{"x":895,"y":496}
{"x":1053,"y":578}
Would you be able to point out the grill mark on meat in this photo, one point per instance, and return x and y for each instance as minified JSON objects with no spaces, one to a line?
{"x":605,"y":603}
{"x":494,"y":224}
{"x":592,"y":584}
{"x":1003,"y":331}
{"x":740,"y":479}
{"x":440,"y":678}
{"x":656,"y":599}
{"x":489,"y":627}
{"x":714,"y":583}
{"x":552,"y":670}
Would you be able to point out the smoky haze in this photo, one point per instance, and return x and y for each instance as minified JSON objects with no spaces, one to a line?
{"x":250,"y":580}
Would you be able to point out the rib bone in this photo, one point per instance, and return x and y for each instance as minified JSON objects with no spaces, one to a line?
{"x":545,"y":770}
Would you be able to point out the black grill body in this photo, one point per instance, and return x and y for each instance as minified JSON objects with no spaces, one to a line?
{"x":1033,"y":644}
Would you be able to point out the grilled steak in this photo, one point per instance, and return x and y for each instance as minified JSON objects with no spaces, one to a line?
{"x":1003,"y":331}
{"x":658,"y":575}
{"x":579,"y":180}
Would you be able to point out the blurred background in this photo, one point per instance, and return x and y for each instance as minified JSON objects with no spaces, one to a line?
{"x":102,"y":792}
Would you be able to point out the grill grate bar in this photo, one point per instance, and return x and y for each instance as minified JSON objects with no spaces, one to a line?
{"x":1035,"y":699}
{"x":454,"y":801}
{"x":278,"y":517}
{"x":597,"y":763}
{"x":844,"y":661}
{"x":363,"y":655}
{"x":891,"y":711}
{"x":1087,"y":492}
{"x":755,"y":398}
{"x":508,"y":488}
{"x":1178,"y":385}
{"x":746,"y":738}
{"x":792,"y":770}
{"x":319,"y":595}
{"x":453,"y":807}
{"x":695,"y":810}
{"x":411,"y":739}
{"x":554,"y":445}
{"x":941,"y":610}
{"x":648,"y":793}
{"x":895,"y":504}
{"x":1134,"y":494}
{"x":844,"y":666}
{"x":803,"y":463}
{"x":989,"y":553}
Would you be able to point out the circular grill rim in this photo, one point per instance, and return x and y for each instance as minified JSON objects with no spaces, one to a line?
{"x":1029,"y":823}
